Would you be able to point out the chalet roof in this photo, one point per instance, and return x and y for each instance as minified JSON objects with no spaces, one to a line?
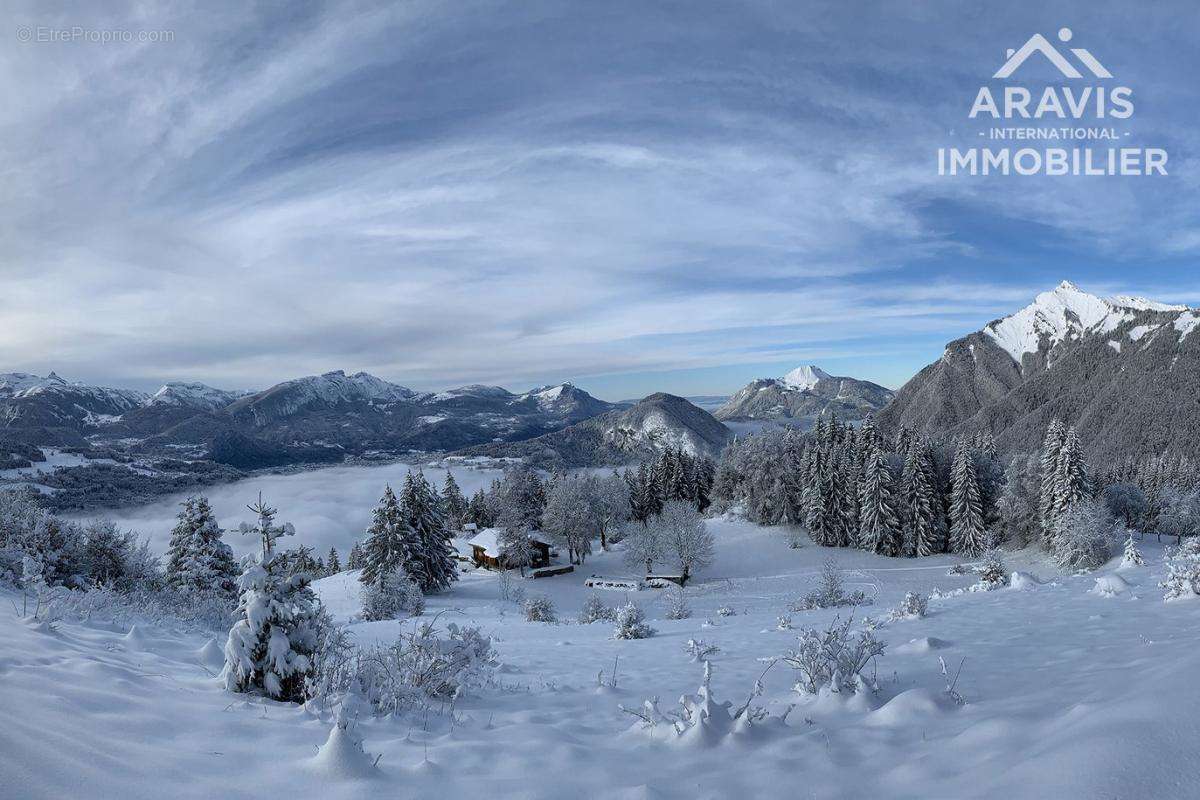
{"x":489,"y":540}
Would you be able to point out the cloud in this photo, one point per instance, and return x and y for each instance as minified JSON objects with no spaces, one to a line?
{"x":455,"y":193}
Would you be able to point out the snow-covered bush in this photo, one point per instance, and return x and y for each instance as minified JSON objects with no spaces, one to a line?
{"x":1082,"y":536}
{"x":393,"y":594}
{"x":423,"y":667}
{"x":783,"y":622}
{"x":677,"y":605}
{"x":207,"y":611}
{"x":833,"y":658}
{"x":726,"y":611}
{"x":539,"y":608}
{"x":992,"y":572}
{"x":701,"y":715}
{"x":272,"y":646}
{"x":631,"y":623}
{"x":913,"y":606}
{"x":699,"y":649}
{"x":508,"y":588}
{"x":829,"y":592}
{"x":1132,"y":556}
{"x":1183,"y":571}
{"x":594,"y":610}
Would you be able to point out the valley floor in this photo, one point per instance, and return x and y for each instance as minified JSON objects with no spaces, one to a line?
{"x":1068,"y":694}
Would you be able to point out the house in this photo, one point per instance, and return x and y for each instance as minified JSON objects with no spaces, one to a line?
{"x":485,"y":547}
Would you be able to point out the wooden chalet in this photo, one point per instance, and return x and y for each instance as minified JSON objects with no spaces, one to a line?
{"x":486,"y":551}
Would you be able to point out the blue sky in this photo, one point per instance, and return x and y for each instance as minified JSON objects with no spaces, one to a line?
{"x":631,"y":196}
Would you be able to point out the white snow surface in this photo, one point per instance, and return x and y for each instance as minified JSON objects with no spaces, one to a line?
{"x":194,"y":395}
{"x":1067,"y":312}
{"x":805,"y":377}
{"x":1068,"y":694}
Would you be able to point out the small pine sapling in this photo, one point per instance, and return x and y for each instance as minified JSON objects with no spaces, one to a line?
{"x":631,"y":623}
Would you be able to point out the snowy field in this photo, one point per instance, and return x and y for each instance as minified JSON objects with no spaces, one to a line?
{"x":1069,"y":693}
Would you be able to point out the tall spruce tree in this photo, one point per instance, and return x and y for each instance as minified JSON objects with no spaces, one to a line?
{"x":967,"y":532}
{"x":333,"y":564}
{"x":454,"y":504}
{"x":1071,"y":485}
{"x":197,"y":559}
{"x":925,"y":529}
{"x":422,"y":512}
{"x":1056,"y":435}
{"x":879,"y":528}
{"x":391,"y":545}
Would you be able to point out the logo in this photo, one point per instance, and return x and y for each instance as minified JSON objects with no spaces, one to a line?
{"x":1038,"y":44}
{"x":1087,"y":109}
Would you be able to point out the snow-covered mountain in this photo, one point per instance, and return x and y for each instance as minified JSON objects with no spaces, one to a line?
{"x":802,"y":395}
{"x":317,"y":417}
{"x":30,"y":401}
{"x":1123,"y":369}
{"x":193,"y":395}
{"x":621,"y":436}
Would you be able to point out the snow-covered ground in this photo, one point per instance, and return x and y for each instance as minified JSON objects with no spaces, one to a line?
{"x":1069,"y":693}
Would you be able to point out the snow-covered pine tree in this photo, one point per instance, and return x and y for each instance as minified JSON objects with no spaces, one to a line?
{"x":354,"y":559}
{"x":391,"y":544}
{"x":1056,"y":434}
{"x":1132,"y":556}
{"x":422,"y":512}
{"x":925,"y":528}
{"x":878,"y":529}
{"x":967,"y":533}
{"x":197,"y":558}
{"x":333,"y":565}
{"x":1071,"y":485}
{"x":272,"y":645}
{"x":478,"y":512}
{"x":816,"y":503}
{"x":265,"y":528}
{"x":454,"y":505}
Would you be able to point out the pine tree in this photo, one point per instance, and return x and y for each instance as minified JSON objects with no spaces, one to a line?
{"x":1056,"y":435}
{"x":925,"y":527}
{"x":879,"y":529}
{"x":454,"y":505}
{"x":391,"y":544}
{"x":333,"y":564}
{"x":435,"y":549}
{"x":273,"y":645}
{"x":1070,"y":483}
{"x":197,"y":558}
{"x":265,"y":528}
{"x":967,"y":533}
{"x":354,"y":560}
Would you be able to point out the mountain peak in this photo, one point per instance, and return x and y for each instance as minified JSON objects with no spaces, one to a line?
{"x":805,"y":377}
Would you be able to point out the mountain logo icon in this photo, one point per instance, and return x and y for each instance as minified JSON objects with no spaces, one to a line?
{"x":1039,"y":44}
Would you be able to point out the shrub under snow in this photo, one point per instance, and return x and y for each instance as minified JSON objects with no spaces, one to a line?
{"x":913,"y":606}
{"x":829,"y":592}
{"x":594,"y":610}
{"x":1082,"y":537}
{"x":833,"y":658}
{"x":677,"y":605}
{"x":1183,"y":571}
{"x":631,"y":623}
{"x":539,"y":609}
{"x":1132,"y":556}
{"x":395,"y":593}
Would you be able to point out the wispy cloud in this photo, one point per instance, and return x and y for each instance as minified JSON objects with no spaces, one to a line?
{"x":444,"y":193}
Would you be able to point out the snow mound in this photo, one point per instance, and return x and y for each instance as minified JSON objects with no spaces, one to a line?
{"x":212,"y":655}
{"x":342,"y":756}
{"x":911,"y":705}
{"x":1023,"y":582}
{"x":1110,"y":586}
{"x":134,"y":640}
{"x":924,"y":644}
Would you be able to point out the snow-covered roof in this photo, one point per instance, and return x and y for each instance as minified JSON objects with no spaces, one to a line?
{"x":489,"y":540}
